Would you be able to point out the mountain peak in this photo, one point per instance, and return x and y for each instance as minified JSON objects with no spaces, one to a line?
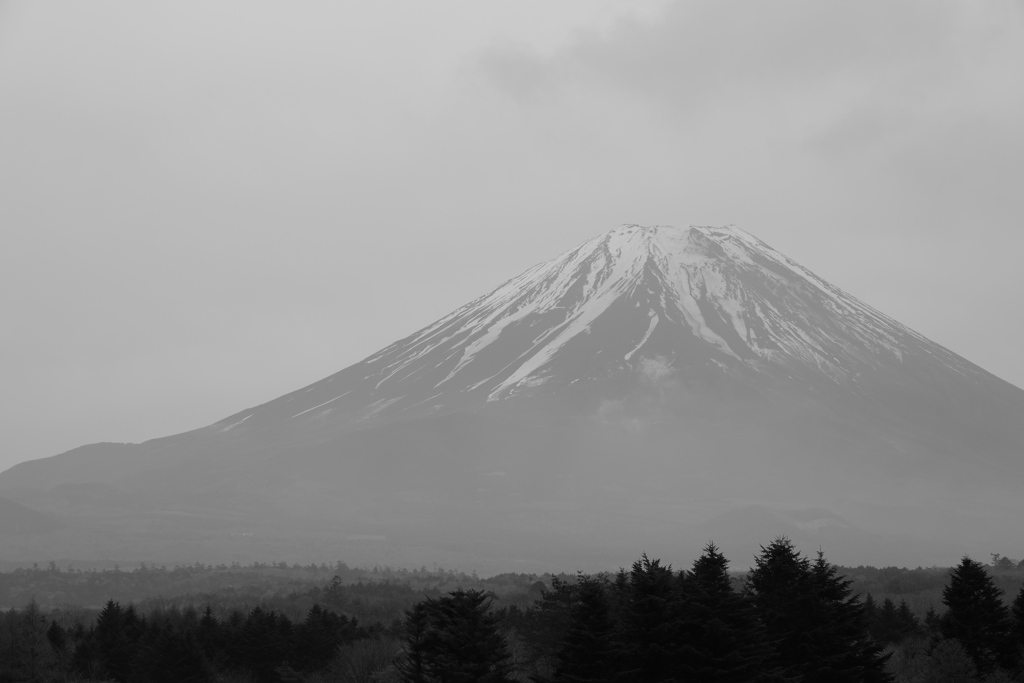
{"x":670,"y":244}
{"x":701,"y":301}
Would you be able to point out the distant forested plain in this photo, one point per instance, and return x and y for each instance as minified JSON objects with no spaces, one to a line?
{"x":787,"y":618}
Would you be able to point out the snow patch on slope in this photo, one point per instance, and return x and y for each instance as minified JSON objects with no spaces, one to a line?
{"x":235,"y":424}
{"x":321,"y":404}
{"x":647,"y":335}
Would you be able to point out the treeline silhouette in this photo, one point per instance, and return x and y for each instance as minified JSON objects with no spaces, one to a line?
{"x":53,"y":586}
{"x":921,"y":588}
{"x":175,"y":645}
{"x":794,"y":620}
{"x":790,"y":618}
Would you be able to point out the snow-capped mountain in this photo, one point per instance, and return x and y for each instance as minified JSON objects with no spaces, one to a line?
{"x":650,"y":372}
{"x":699,"y":299}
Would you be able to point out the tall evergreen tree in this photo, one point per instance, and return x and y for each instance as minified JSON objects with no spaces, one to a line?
{"x":847,"y":650}
{"x":885,"y":628}
{"x":117,"y":633}
{"x":455,"y":639}
{"x":778,"y":585}
{"x":650,"y":639}
{"x":977,"y":617}
{"x":870,"y":610}
{"x":263,"y":643}
{"x":170,"y":655}
{"x":586,"y":654}
{"x":723,"y":640}
{"x":908,"y":621}
{"x":548,"y":623}
{"x":318,"y":637}
{"x":1017,"y":615}
{"x":819,"y":629}
{"x":211,"y":636}
{"x":57,"y":637}
{"x":932,"y":622}
{"x":419,"y":644}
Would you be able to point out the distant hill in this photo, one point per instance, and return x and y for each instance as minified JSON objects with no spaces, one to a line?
{"x":18,"y":519}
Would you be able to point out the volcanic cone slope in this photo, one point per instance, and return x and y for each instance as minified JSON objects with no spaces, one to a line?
{"x":594,"y":405}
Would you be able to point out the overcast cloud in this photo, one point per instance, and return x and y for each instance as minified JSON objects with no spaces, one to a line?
{"x":205,"y":205}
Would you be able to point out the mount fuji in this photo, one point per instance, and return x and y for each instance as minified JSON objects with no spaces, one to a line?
{"x":650,"y":387}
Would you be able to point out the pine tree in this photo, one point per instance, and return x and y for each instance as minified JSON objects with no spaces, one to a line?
{"x":419,"y":644}
{"x":870,"y":610}
{"x":211,"y":637}
{"x":263,"y":642}
{"x":317,"y":639}
{"x":455,"y":639}
{"x":586,"y":648}
{"x":547,"y":624}
{"x":117,"y":632}
{"x":932,"y":621}
{"x":1017,"y":615}
{"x":722,"y":639}
{"x":847,"y":652}
{"x":977,"y":617}
{"x":819,"y":628}
{"x":779,"y":586}
{"x":169,"y":655}
{"x":886,"y":627}
{"x":908,"y":622}
{"x":651,"y":623}
{"x":57,"y":636}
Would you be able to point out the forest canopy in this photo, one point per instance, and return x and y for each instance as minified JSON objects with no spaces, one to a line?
{"x":787,"y":618}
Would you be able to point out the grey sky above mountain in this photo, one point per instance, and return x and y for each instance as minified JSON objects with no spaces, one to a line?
{"x":207,"y":205}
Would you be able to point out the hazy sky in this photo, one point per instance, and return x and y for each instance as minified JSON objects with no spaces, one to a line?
{"x":205,"y":205}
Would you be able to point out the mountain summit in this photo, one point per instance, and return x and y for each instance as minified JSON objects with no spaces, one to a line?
{"x":700,"y":299}
{"x":650,"y":377}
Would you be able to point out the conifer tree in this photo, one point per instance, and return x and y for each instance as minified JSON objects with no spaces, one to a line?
{"x":549,"y":622}
{"x":419,"y":642}
{"x":932,"y":621}
{"x":211,"y":636}
{"x":586,"y":654}
{"x":819,"y":629}
{"x":455,"y":639}
{"x":908,"y":622}
{"x":722,"y":637}
{"x":117,"y":632}
{"x":846,"y":650}
{"x":870,"y":610}
{"x":977,"y":617}
{"x":886,"y":626}
{"x":651,"y":623}
{"x":1017,"y":618}
{"x":168,"y":655}
{"x":317,"y":639}
{"x":263,"y":643}
{"x":778,"y":585}
{"x":57,"y":637}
